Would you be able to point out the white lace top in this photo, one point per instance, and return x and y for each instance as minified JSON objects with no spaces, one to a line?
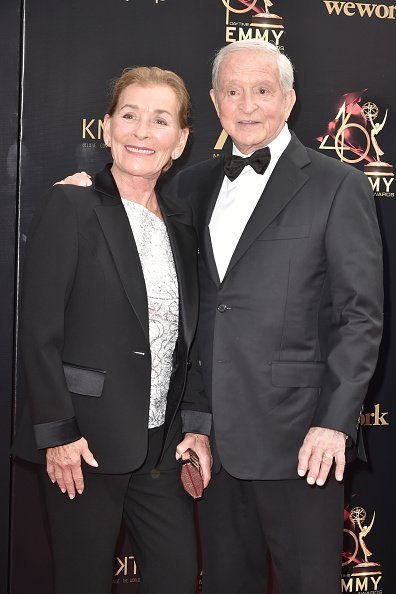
{"x":159,"y":273}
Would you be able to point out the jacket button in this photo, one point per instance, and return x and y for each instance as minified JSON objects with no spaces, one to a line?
{"x":188,"y":364}
{"x":222,"y":308}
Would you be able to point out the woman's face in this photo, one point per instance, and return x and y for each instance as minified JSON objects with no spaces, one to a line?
{"x":144,"y":131}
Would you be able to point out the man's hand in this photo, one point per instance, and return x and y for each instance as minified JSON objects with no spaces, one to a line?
{"x":64,"y":465}
{"x":200,"y":444}
{"x":77,"y":179}
{"x":321,"y":446}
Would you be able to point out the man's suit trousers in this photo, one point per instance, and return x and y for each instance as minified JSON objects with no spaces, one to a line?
{"x":300,"y":526}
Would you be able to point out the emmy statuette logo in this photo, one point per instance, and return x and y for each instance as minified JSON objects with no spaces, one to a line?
{"x":252,"y":19}
{"x":376,"y":169}
{"x":360,"y":572}
{"x":353,"y":135}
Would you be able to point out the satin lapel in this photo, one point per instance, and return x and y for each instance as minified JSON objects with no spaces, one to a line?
{"x":115,"y":226}
{"x":183,"y":244}
{"x":208,"y":199}
{"x":286,"y":180}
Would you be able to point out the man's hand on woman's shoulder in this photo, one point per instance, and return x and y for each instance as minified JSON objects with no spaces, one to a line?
{"x":77,"y":179}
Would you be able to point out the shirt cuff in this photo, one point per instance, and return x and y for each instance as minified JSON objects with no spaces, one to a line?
{"x":196,"y":422}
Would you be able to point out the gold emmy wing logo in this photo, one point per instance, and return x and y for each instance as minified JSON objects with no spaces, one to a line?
{"x":250,"y":19}
{"x":360,"y":573}
{"x":353,"y":135}
{"x":361,"y":9}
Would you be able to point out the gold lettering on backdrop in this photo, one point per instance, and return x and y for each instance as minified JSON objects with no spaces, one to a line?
{"x":277,"y":37}
{"x":240,"y":34}
{"x":125,"y":566}
{"x":360,"y":585}
{"x":388,"y":183}
{"x":366,"y":9}
{"x":93,"y":128}
{"x":334,"y":6}
{"x":350,"y":9}
{"x":376,"y":418}
{"x":230,"y":31}
{"x":346,"y":585}
{"x":375,"y":184}
{"x":375,"y":581}
{"x":221,"y":141}
{"x":87,"y":129}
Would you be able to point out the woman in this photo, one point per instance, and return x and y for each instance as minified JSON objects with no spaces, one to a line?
{"x":109,"y":310}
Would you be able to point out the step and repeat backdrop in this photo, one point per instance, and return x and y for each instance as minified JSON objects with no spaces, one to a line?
{"x":343,"y":54}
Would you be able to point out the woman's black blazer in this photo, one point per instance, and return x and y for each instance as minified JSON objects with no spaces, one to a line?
{"x":84,"y":326}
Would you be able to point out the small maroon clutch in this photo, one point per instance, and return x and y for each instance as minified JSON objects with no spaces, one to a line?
{"x":190,"y":475}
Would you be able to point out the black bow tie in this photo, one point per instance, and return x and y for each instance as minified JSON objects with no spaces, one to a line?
{"x":258,"y":161}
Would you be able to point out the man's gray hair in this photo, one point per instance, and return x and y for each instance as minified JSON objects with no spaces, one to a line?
{"x":285,"y":67}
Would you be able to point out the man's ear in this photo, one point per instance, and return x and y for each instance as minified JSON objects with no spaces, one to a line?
{"x":290,"y":100}
{"x":213,"y":96}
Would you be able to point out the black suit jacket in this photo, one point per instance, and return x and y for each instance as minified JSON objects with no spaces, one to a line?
{"x":84,"y":327}
{"x":289,"y":338}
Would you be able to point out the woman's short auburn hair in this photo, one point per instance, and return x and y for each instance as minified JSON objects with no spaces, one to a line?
{"x":146,"y":76}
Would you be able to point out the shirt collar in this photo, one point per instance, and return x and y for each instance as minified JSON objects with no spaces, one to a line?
{"x":277,"y":146}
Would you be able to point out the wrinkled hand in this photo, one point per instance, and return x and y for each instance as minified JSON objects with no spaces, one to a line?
{"x":321,"y":446}
{"x":64,"y":465}
{"x":200,"y":444}
{"x":77,"y":179}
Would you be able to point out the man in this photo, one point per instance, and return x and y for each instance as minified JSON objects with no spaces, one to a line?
{"x":289,"y":330}
{"x":288,"y":335}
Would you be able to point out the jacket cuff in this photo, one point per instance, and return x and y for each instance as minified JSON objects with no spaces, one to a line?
{"x":56,"y":433}
{"x":196,"y":422}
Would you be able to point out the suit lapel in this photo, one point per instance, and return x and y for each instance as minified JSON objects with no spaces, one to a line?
{"x":183,"y":244}
{"x":283,"y":184}
{"x":117,"y":231}
{"x":213,"y":185}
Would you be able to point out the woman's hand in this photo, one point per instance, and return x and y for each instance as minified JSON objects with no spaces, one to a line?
{"x":64,"y":465}
{"x":77,"y":179}
{"x":200,"y":444}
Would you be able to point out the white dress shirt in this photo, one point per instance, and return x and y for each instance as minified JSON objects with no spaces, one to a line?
{"x":236,"y":202}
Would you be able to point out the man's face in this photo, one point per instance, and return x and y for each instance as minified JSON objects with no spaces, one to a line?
{"x":249,"y":100}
